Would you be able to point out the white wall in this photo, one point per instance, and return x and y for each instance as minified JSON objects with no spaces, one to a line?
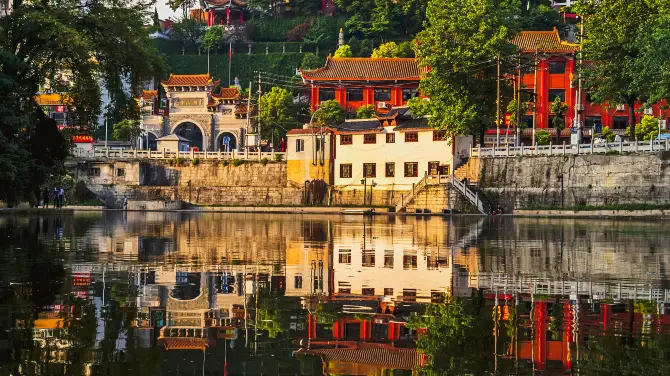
{"x":424,"y":151}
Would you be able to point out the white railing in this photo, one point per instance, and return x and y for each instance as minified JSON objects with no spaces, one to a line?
{"x":471,"y":196}
{"x":416,"y":188}
{"x":569,"y":149}
{"x":615,"y":290}
{"x":165,"y":154}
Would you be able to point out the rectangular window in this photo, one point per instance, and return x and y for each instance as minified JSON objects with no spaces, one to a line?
{"x":433,"y":168}
{"x":382,"y":95}
{"x":368,"y":258}
{"x":345,"y":171}
{"x":344,"y":291}
{"x":408,"y":94}
{"x":390,"y":138}
{"x":297,"y":282}
{"x":619,"y":122}
{"x":591,"y":121}
{"x":369,"y":138}
{"x":412,"y":137}
{"x":388,"y":291}
{"x":370,"y":170}
{"x":409,"y":262}
{"x":299,"y":146}
{"x":345,"y":139}
{"x":326,"y":94}
{"x":120,"y":172}
{"x":409,"y":295}
{"x":368,"y":291}
{"x":344,"y":256}
{"x":557,"y":67}
{"x":411,"y":169}
{"x":553,"y":93}
{"x":388,"y":259}
{"x":354,"y":95}
{"x":390,"y":169}
{"x":439,"y":135}
{"x":94,"y":171}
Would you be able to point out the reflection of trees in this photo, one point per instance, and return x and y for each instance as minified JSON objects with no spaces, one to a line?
{"x":275,"y":312}
{"x":615,"y":355}
{"x":456,"y":337}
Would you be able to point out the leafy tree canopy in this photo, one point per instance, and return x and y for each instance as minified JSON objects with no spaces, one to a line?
{"x":277,"y":113}
{"x":389,"y":49}
{"x":188,"y":32}
{"x":126,"y":130}
{"x":460,"y":43}
{"x":311,"y":61}
{"x":343,"y":51}
{"x":366,"y":112}
{"x":329,"y":114}
{"x":213,"y":37}
{"x":647,"y":130}
{"x":540,"y":17}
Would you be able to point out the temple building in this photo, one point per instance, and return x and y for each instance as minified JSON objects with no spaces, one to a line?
{"x":192,"y":109}
{"x":225,"y":12}
{"x":55,"y":106}
{"x":555,"y":74}
{"x":356,"y":82}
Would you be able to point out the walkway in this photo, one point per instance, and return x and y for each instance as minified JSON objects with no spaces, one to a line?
{"x":165,"y":154}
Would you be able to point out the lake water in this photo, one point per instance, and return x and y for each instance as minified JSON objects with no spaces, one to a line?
{"x":111,"y":293}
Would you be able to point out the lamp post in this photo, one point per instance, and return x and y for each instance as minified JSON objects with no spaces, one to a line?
{"x":371,"y":186}
{"x":364,"y":181}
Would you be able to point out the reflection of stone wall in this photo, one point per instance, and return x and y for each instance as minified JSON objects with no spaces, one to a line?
{"x":223,"y":196}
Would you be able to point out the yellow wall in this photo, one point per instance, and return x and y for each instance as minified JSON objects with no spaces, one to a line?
{"x":299,"y":171}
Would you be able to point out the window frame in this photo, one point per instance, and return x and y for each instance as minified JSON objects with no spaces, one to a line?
{"x":299,"y":145}
{"x":350,"y":90}
{"x":390,"y":138}
{"x":386,"y":169}
{"x":436,"y":165}
{"x":415,"y":172}
{"x":342,"y":169}
{"x":328,"y":90}
{"x":369,"y":138}
{"x":413,"y":91}
{"x":346,"y":139}
{"x":373,"y":173}
{"x":552,"y":97}
{"x":409,"y":138}
{"x":440,"y":135}
{"x":379,"y":91}
{"x":554,"y":63}
{"x":120,"y":172}
{"x":619,"y":118}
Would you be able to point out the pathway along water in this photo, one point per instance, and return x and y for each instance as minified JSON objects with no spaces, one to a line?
{"x":181,"y":293}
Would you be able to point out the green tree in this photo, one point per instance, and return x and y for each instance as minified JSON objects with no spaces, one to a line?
{"x":558,"y":108}
{"x":343,"y":51}
{"x":543,"y":137}
{"x":311,"y":61}
{"x":623,"y":36}
{"x":405,"y":49}
{"x":105,"y":44}
{"x":608,"y":134}
{"x":514,"y":108}
{"x":389,"y":49}
{"x":647,"y":130}
{"x":540,"y":17}
{"x":213,"y":37}
{"x":330,"y":113}
{"x":366,"y":112}
{"x":188,"y":33}
{"x":459,"y":45}
{"x":277,"y":113}
{"x":127,"y":130}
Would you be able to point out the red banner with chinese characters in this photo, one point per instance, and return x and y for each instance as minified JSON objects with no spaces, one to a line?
{"x":82,"y":139}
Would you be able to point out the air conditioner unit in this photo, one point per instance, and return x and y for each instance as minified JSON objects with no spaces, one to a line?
{"x":620,"y":107}
{"x":579,"y":107}
{"x":381,"y":104}
{"x":663,"y":124}
{"x":648,"y":111}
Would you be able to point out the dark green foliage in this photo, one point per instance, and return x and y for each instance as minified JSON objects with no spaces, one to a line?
{"x":311,"y":61}
{"x":330,"y":113}
{"x":187,"y":32}
{"x":540,"y":17}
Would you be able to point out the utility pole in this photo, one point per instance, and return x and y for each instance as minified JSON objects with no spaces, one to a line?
{"x":105,"y":132}
{"x":498,"y":104}
{"x":578,"y":106}
{"x":259,"y":111}
{"x":517,"y":138}
{"x":535,"y":62}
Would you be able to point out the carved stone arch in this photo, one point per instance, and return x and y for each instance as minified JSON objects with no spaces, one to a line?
{"x":235,"y":132}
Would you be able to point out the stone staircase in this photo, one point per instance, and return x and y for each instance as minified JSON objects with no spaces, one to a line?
{"x":464,"y":171}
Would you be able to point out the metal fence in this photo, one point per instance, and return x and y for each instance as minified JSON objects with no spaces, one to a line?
{"x":165,"y":154}
{"x":598,"y":148}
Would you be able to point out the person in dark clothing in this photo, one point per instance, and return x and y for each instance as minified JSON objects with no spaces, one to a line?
{"x":45,"y":199}
{"x":55,"y":196}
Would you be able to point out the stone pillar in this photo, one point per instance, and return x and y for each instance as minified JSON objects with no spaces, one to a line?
{"x":249,"y":53}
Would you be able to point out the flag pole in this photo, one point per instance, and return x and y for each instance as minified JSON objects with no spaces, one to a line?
{"x":230,"y":60}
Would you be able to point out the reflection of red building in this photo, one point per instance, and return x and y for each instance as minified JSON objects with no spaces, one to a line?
{"x":356,"y":82}
{"x":556,"y":71}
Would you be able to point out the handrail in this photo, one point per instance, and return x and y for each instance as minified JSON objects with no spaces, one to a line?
{"x":417,"y":188}
{"x":570,"y":149}
{"x":167,"y":154}
{"x":473,"y":197}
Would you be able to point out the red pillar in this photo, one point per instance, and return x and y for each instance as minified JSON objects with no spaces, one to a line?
{"x":315,"y":97}
{"x":540,"y":335}
{"x":368,"y":96}
{"x":341,"y":97}
{"x":567,"y":336}
{"x":311,"y":327}
{"x":570,"y":93}
{"x":543,"y":94}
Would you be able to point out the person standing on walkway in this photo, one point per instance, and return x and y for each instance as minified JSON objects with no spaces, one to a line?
{"x":45,"y":199}
{"x":55,"y":197}
{"x":61,"y":195}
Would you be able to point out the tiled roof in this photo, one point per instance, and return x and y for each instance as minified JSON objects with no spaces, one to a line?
{"x":52,"y":99}
{"x":173,"y":137}
{"x":547,"y":41}
{"x":395,"y":112}
{"x":411,"y":124}
{"x":303,"y":131}
{"x":149,"y":95}
{"x":359,"y":126}
{"x":393,"y":358}
{"x":190,"y":80}
{"x":381,"y":69}
{"x":184,"y":343}
{"x":220,"y":3}
{"x":227,"y":93}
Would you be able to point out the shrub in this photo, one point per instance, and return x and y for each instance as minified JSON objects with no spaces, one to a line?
{"x":216,"y":162}
{"x":279,"y":157}
{"x":543,"y":137}
{"x":195,"y":161}
{"x":366,"y":112}
{"x":311,"y":61}
{"x":180,"y":161}
{"x":225,"y":163}
{"x":264,"y":161}
{"x":299,"y":32}
{"x":170,"y":162}
{"x":608,"y":134}
{"x":343,"y":51}
{"x":236,"y":162}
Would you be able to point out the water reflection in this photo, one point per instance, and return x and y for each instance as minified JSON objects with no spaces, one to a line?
{"x":174,"y":293}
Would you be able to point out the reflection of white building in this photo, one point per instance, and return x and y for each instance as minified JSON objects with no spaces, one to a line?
{"x":193,"y":110}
